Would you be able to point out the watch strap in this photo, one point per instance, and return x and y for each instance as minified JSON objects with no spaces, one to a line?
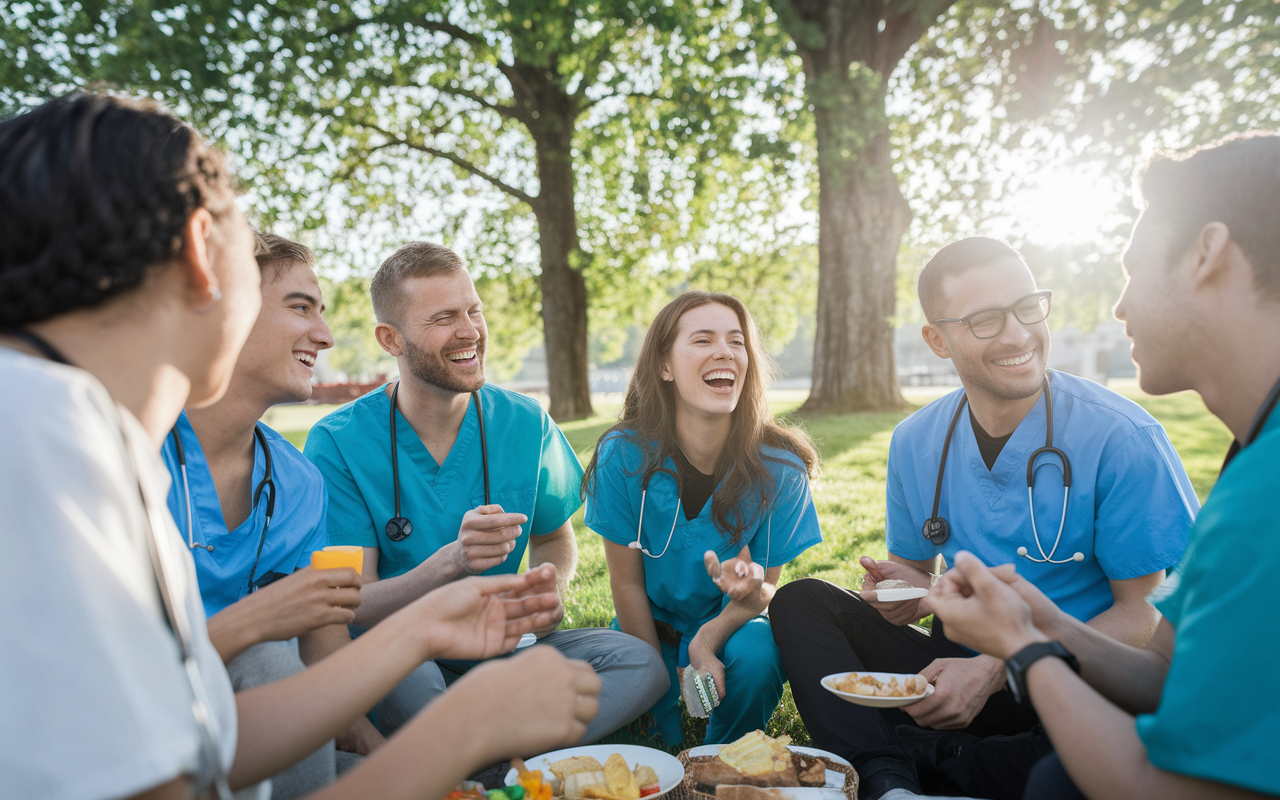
{"x":1017,"y":665}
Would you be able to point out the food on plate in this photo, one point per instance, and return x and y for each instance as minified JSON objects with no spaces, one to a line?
{"x":757,"y":754}
{"x":577,"y":774}
{"x":870,"y":686}
{"x":468,"y":790}
{"x":585,"y":777}
{"x":619,"y":779}
{"x":646,"y":779}
{"x":759,"y":761}
{"x":531,"y":783}
{"x":895,"y":584}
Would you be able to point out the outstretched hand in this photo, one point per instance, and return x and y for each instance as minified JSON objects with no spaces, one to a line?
{"x":981,"y":610}
{"x":481,"y":617}
{"x":739,"y":577}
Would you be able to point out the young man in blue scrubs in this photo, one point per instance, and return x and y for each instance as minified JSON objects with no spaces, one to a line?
{"x":1202,"y":305}
{"x":466,"y":489}
{"x":267,"y":618}
{"x":1126,"y":520}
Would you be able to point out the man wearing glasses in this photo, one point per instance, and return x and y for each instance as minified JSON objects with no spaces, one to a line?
{"x":1093,"y":516}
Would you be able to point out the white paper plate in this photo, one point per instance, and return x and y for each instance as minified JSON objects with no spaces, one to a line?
{"x":829,"y":682}
{"x":835,"y":780}
{"x":669,"y":769}
{"x":897,"y":595}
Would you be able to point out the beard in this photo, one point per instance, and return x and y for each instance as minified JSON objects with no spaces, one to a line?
{"x":432,"y":369}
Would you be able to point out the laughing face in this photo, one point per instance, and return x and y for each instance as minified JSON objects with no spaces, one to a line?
{"x":1010,"y":366}
{"x":708,"y":361}
{"x":444,"y":333}
{"x":280,"y":355}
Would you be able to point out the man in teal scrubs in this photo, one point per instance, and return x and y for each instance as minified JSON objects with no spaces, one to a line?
{"x":478,"y":474}
{"x":1203,"y":308}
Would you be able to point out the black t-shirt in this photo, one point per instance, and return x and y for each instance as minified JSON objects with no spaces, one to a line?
{"x":990,"y":446}
{"x":695,"y":487}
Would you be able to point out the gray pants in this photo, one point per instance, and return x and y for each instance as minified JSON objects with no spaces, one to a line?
{"x":272,"y":661}
{"x":631,"y":672}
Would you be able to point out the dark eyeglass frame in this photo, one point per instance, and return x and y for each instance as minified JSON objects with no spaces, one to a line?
{"x":1046,"y":294}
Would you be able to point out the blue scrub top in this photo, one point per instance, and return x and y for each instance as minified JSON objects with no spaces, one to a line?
{"x":532,"y":471}
{"x":1130,"y":509}
{"x":1215,"y":719}
{"x":297,"y":526}
{"x":680,"y":591}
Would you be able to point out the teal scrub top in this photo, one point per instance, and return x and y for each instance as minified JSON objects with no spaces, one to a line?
{"x":532,"y":471}
{"x":297,"y":526}
{"x":1216,"y":719}
{"x":681,"y":593}
{"x":1129,"y":512}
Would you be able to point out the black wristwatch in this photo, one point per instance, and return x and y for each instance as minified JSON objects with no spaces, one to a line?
{"x":1015,"y":668}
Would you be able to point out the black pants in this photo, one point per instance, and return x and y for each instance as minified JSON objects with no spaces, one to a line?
{"x":1050,"y":781}
{"x":821,"y":629}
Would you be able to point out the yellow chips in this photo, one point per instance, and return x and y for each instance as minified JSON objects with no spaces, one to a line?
{"x":619,"y":778}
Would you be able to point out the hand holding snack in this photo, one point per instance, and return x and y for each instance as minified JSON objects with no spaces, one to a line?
{"x":703,"y":661}
{"x":902,"y":612}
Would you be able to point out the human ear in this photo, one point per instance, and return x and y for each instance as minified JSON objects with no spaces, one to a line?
{"x":666,"y":373}
{"x":1209,"y":252}
{"x":389,"y":339}
{"x":936,"y":341}
{"x":195,"y":262}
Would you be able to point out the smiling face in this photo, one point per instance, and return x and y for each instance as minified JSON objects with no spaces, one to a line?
{"x":1153,"y":310}
{"x":1010,"y":366}
{"x":280,"y":356}
{"x":708,"y":361}
{"x":443,"y":331}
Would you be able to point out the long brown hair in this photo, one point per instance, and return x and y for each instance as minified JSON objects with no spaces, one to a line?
{"x":648,"y":419}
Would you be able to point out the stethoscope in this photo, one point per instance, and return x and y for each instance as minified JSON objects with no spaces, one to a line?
{"x":1259,"y":421}
{"x":267,"y":483}
{"x":936,"y":529}
{"x":398,"y":528}
{"x":175,"y":611}
{"x":644,"y":492}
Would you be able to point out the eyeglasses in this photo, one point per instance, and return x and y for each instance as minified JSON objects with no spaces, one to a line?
{"x":989,"y":322}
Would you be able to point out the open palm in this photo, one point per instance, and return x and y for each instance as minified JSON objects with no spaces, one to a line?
{"x":481,"y":617}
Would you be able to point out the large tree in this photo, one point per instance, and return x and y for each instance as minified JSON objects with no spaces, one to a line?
{"x":945,"y":89}
{"x":345,"y":101}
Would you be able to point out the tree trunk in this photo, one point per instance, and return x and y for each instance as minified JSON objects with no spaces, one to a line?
{"x":862,"y":216}
{"x":564,"y":292}
{"x":849,"y":49}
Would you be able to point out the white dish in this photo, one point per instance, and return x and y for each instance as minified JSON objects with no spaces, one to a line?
{"x":670,"y":771}
{"x":526,"y":640}
{"x":829,"y":682}
{"x":898,"y":595}
{"x":835,"y":780}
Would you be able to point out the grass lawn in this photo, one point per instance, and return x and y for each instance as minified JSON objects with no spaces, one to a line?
{"x":849,"y":495}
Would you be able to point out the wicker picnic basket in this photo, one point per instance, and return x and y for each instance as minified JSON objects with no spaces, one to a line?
{"x":686,"y":790}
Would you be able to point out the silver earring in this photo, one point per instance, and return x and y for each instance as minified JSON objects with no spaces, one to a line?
{"x":216,"y":294}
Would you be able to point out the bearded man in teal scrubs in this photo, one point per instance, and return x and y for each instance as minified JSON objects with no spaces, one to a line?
{"x":478,"y":475}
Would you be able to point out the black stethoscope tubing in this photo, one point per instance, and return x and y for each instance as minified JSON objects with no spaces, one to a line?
{"x":267,"y":483}
{"x":1259,"y":422}
{"x":398,"y":528}
{"x":937,"y":530}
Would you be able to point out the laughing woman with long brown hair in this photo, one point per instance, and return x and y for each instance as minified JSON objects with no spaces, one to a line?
{"x":698,"y":479}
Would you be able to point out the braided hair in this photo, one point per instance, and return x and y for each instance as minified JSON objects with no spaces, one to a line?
{"x":95,"y":190}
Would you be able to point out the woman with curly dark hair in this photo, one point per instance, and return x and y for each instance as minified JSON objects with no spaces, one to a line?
{"x":698,"y":472}
{"x":127,"y":286}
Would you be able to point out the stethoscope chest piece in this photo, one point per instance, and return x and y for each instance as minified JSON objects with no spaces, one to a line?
{"x":398,"y":529}
{"x":936,"y":530}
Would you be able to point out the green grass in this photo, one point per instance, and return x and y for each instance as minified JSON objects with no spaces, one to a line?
{"x":849,"y":497}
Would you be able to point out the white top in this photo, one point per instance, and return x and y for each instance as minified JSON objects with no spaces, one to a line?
{"x":93,"y":696}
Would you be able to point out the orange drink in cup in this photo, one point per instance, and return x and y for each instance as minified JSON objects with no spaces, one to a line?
{"x":342,"y":555}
